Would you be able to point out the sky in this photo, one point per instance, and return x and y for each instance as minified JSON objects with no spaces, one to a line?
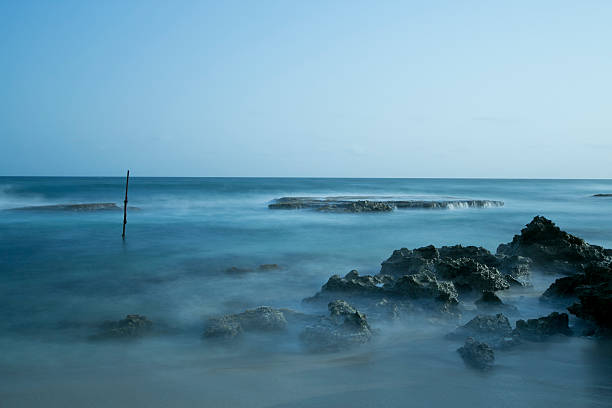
{"x":306,"y":88}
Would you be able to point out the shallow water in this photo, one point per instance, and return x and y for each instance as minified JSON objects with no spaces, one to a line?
{"x":64,"y":272}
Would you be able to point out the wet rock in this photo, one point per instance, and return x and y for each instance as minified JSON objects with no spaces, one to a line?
{"x":372,"y":203}
{"x":347,"y":327}
{"x":595,"y":295}
{"x":542,"y":328}
{"x":564,"y":287}
{"x":353,"y":283}
{"x":515,"y":268}
{"x":424,"y":285}
{"x":340,"y":308}
{"x":263,"y":318}
{"x":133,"y":326}
{"x":408,"y":262}
{"x":476,"y":354}
{"x":468,"y":274}
{"x":88,"y":207}
{"x":226,"y":328}
{"x":552,"y":249}
{"x":478,"y":254}
{"x":492,"y":329}
{"x":470,"y":267}
{"x":359,"y":207}
{"x":268,"y":267}
{"x":489,"y":299}
{"x":485,"y":325}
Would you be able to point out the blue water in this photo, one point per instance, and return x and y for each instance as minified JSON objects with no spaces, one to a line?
{"x":63,"y":271}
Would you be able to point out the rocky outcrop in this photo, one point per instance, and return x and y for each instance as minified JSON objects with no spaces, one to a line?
{"x":492,"y":329}
{"x":357,"y":207}
{"x":564,"y":288}
{"x":263,"y":318}
{"x":408,"y":262}
{"x":87,"y":207}
{"x":346,"y":327}
{"x":592,"y":289}
{"x":373,"y":204}
{"x":476,"y":354}
{"x":225,"y":328}
{"x":542,"y":328}
{"x":468,"y":274}
{"x":352,"y":283}
{"x":489,"y":300}
{"x":552,"y":249}
{"x":469,"y":268}
{"x":489,"y":325}
{"x":268,"y":267}
{"x":594,"y":292}
{"x":383,"y":297}
{"x":424,"y":285}
{"x":133,"y":326}
{"x":515,"y":268}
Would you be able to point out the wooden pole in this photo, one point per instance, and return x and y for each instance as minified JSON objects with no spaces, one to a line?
{"x":127,"y":180}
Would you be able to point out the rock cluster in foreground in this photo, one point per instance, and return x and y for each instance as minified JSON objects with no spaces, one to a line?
{"x":440,"y":282}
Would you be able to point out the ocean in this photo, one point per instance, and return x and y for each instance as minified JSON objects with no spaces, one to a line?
{"x":64,"y":272}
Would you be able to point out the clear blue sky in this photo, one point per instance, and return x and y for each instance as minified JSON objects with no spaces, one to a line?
{"x":306,"y":88}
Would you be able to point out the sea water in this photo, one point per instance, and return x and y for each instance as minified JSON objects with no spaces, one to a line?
{"x":64,"y":272}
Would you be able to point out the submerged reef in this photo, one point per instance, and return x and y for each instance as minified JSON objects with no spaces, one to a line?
{"x":359,"y":204}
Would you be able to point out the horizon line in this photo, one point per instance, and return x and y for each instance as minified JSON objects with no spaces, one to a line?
{"x":316,"y":177}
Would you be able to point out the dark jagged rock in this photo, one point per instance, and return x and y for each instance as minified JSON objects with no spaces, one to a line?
{"x":425,"y":286}
{"x":490,"y":302}
{"x":408,"y":262}
{"x":133,"y":326}
{"x":263,"y":318}
{"x":552,"y":249}
{"x":484,"y":326}
{"x":492,"y":329}
{"x":515,"y":269}
{"x":470,"y":267}
{"x":476,"y":354}
{"x":340,"y":308}
{"x":564,"y":287}
{"x":384,"y":297}
{"x":595,"y":295}
{"x":345,"y":328}
{"x":353,"y":283}
{"x":489,"y":299}
{"x":468,"y":274}
{"x":478,"y":254}
{"x":542,"y":328}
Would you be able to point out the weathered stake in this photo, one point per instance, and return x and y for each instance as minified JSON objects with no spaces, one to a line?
{"x":127,"y":180}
